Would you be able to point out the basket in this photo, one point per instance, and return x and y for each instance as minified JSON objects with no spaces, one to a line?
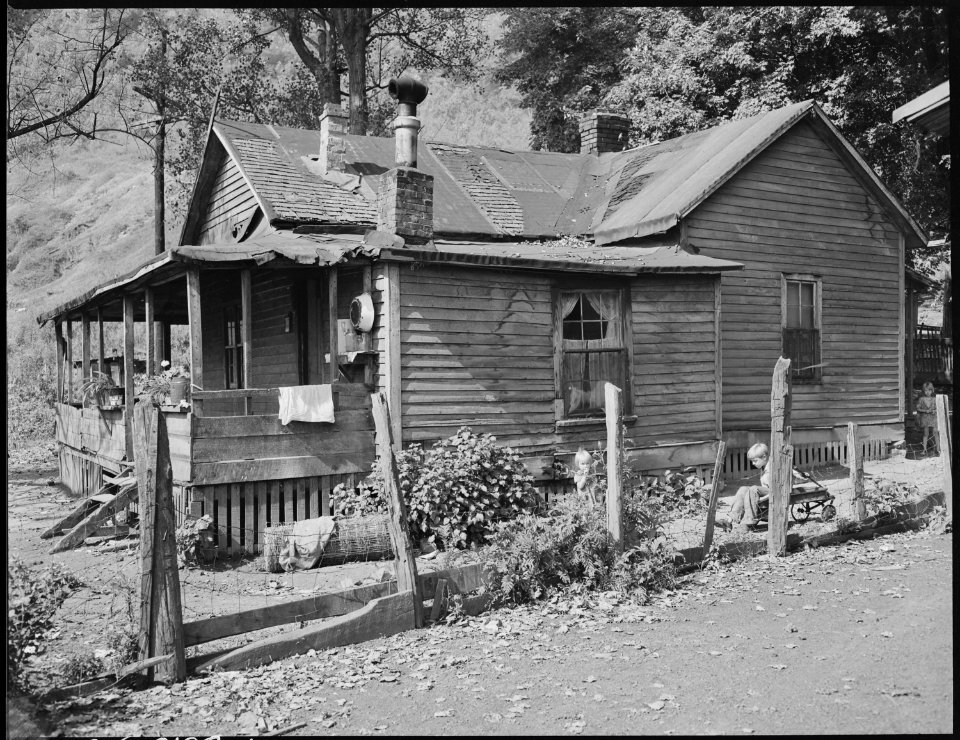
{"x":356,"y":538}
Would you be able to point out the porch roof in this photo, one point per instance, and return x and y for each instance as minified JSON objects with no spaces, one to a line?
{"x":661,"y":255}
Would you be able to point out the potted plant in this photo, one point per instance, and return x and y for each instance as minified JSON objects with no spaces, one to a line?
{"x":169,"y":386}
{"x":100,"y":390}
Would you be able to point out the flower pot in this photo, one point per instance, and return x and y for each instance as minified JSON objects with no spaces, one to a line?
{"x":111,"y":398}
{"x":178,"y":390}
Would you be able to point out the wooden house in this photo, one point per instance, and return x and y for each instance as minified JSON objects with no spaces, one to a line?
{"x":500,"y":290}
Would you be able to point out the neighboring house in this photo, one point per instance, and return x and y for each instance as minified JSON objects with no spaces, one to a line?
{"x":479,"y":315}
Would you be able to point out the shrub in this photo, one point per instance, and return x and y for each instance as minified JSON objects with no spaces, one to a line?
{"x":533,"y":556}
{"x":463,"y":484}
{"x":33,"y":597}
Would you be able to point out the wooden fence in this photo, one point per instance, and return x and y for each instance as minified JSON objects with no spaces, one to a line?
{"x":932,"y":355}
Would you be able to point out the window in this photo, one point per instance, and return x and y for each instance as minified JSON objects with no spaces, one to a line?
{"x":801,"y":327}
{"x":591,"y":349}
{"x":233,"y":347}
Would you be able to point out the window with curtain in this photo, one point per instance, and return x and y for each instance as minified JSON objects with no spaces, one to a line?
{"x":801,"y":328}
{"x":233,"y":347}
{"x":592,"y":348}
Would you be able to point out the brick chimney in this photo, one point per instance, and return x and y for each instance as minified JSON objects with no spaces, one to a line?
{"x":405,"y":202}
{"x":604,"y":131}
{"x":333,"y":149}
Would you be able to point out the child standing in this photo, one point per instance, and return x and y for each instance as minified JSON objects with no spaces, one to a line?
{"x":927,"y":417}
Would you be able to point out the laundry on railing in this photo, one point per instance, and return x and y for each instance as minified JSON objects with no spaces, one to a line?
{"x":306,"y":403}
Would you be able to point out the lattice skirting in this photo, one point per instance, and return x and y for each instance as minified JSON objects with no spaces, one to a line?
{"x":806,"y":456}
{"x":241,"y":511}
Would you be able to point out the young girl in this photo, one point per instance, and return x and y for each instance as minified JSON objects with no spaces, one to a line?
{"x":927,"y":417}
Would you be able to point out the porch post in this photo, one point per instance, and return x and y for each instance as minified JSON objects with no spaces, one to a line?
{"x":61,"y":351}
{"x":85,"y":345}
{"x":152,"y":364}
{"x":332,"y":321}
{"x":128,"y":371}
{"x":166,"y":346}
{"x":246,"y":321}
{"x":368,"y":288}
{"x":69,"y":361}
{"x":101,"y":357}
{"x":196,"y":338}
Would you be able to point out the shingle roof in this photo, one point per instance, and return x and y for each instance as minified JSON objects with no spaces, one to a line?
{"x":502,"y":194}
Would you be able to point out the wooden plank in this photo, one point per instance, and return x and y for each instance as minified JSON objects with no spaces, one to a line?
{"x":128,"y":372}
{"x":233,"y":531}
{"x":333,"y":335}
{"x":76,"y":515}
{"x":222,"y":493}
{"x":153,"y":364}
{"x":274,"y":490}
{"x":357,"y":461}
{"x":263,"y":511}
{"x":714,"y":496}
{"x":382,"y":617}
{"x":406,"y":565}
{"x":945,"y":443}
{"x":394,"y":348}
{"x":85,"y":345}
{"x":196,"y":337}
{"x":101,"y":353}
{"x":901,"y":327}
{"x":781,"y":459}
{"x":289,"y":501}
{"x":69,"y":339}
{"x":251,"y":447}
{"x":61,"y":359}
{"x":614,"y":413}
{"x":144,"y":432}
{"x":246,"y":319}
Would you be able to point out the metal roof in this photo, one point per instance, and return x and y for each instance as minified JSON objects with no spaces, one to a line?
{"x":326,"y":249}
{"x":931,"y":110}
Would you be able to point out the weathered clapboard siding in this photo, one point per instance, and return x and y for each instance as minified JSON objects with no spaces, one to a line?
{"x":275,"y":353}
{"x":674,"y":365}
{"x":230,"y":202}
{"x":178,"y":435}
{"x":494,"y":330}
{"x":217,"y":289}
{"x":227,"y":449}
{"x":798,"y":209}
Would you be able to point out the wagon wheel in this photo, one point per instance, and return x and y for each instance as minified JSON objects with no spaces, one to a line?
{"x":828,"y":512}
{"x":800,"y":512}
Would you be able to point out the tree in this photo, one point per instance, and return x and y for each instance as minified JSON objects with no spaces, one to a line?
{"x":370,"y":44}
{"x":58,"y":62}
{"x":562,"y":61}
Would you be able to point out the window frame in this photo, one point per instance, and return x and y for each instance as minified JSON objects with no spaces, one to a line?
{"x":785,"y":280}
{"x":232,"y":311}
{"x":622,"y":291}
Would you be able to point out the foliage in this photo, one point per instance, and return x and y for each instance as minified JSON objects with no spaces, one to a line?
{"x":464,"y":483}
{"x":156,"y":388}
{"x":33,"y":597}
{"x":31,"y":394}
{"x":531,"y":556}
{"x":883,"y":495}
{"x":92,"y":386}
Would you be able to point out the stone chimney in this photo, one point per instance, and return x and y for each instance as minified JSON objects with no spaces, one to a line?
{"x":405,"y":203}
{"x":333,"y":149}
{"x":604,"y":131}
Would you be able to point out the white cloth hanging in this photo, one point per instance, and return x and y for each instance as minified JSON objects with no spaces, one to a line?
{"x":306,"y":403}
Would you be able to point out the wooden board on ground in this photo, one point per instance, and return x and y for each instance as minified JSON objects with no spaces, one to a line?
{"x":77,"y":515}
{"x":87,"y":527}
{"x":382,"y":617}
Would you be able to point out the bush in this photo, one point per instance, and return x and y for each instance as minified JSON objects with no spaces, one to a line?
{"x":33,"y":597}
{"x":455,"y":491}
{"x":532,"y":556}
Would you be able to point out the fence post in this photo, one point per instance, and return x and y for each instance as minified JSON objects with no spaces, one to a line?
{"x":406,"y":564}
{"x":858,"y":507}
{"x":161,"y":617}
{"x":781,"y":459}
{"x":614,"y":412}
{"x":946,"y":451}
{"x":714,"y":496}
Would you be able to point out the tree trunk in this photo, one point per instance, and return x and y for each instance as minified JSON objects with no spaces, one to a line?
{"x":323,"y":65}
{"x":353,"y":28}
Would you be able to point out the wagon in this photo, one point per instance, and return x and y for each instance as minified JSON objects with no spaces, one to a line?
{"x":806,"y":498}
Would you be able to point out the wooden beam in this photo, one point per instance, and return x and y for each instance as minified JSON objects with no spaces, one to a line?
{"x":385,"y":616}
{"x":69,"y":361}
{"x":128,"y":371}
{"x":718,"y":358}
{"x":945,"y":443}
{"x":166,"y":350}
{"x":901,"y":325}
{"x":714,"y":497}
{"x":368,"y":288}
{"x":333,"y":335}
{"x":392,"y":308}
{"x":613,"y":402}
{"x":101,"y":353}
{"x":246,"y":323}
{"x":153,"y":365}
{"x":781,"y":459}
{"x":406,"y":564}
{"x":84,"y":345}
{"x":61,"y":359}
{"x":196,"y":337}
{"x":86,"y":527}
{"x":161,"y":616}
{"x":858,"y":507}
{"x":77,"y":515}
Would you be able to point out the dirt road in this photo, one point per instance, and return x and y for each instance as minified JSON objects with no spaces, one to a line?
{"x":852,"y":639}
